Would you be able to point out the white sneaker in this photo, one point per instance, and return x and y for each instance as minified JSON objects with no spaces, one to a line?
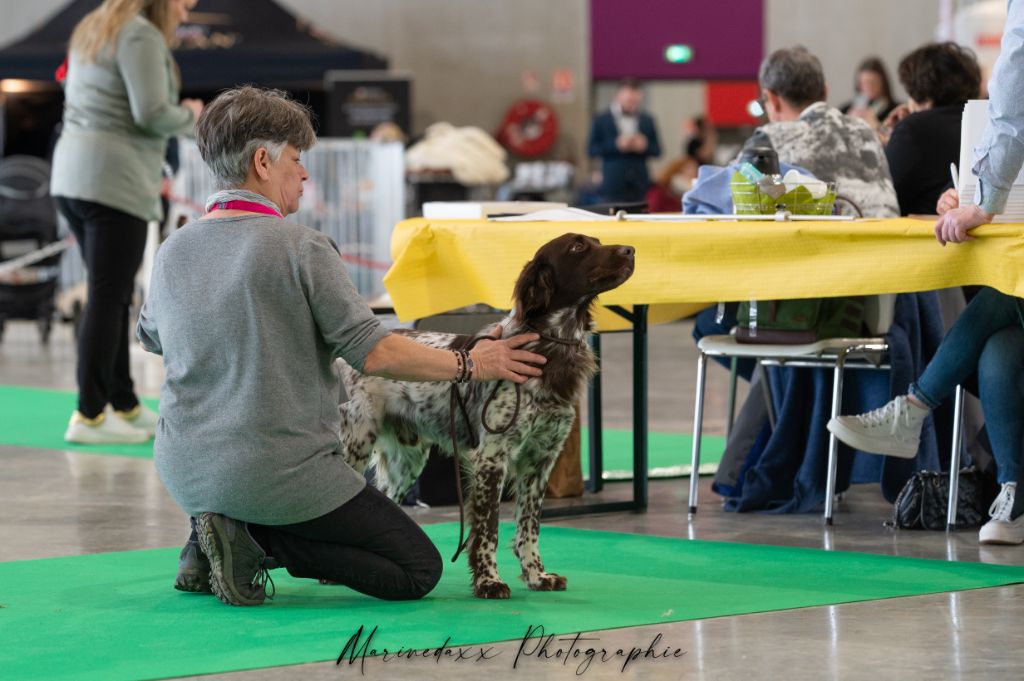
{"x":102,"y":430}
{"x":141,"y":417}
{"x":1002,"y":529}
{"x":894,"y":430}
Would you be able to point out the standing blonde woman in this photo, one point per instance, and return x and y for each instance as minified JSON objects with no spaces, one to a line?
{"x":121,"y":106}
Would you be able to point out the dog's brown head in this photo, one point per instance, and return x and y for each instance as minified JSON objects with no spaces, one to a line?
{"x":569,"y":272}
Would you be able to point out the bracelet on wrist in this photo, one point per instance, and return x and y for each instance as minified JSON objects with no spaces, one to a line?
{"x":460,"y":366}
{"x":469,"y":367}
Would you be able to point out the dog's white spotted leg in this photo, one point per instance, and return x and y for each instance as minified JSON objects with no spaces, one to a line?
{"x":530,"y":488}
{"x":398,"y":465}
{"x":484,"y":500}
{"x":358,"y":433}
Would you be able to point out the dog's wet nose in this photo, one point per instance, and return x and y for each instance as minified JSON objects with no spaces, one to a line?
{"x":625,"y":251}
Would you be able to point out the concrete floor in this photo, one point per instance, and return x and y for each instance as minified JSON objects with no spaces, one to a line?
{"x":61,"y":503}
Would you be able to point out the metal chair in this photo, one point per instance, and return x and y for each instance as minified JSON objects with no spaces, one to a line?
{"x":835,"y":353}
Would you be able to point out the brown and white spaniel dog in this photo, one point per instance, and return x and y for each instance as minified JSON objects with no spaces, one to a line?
{"x":392,"y":424}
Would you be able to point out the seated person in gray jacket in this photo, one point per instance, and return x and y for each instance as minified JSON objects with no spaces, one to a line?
{"x":805,"y":131}
{"x":249,"y":311}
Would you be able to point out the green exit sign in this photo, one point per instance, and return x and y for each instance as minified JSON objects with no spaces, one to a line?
{"x":678,"y":54}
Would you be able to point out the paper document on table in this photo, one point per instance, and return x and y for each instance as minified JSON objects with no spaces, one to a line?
{"x":557,"y":215}
{"x":475,"y":210}
{"x":972,"y":129}
{"x":703,"y":217}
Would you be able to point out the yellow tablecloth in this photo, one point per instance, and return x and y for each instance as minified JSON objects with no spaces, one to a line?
{"x":440,"y":265}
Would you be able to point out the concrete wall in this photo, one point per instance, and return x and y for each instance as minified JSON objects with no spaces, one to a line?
{"x":467,"y":56}
{"x":842,"y":33}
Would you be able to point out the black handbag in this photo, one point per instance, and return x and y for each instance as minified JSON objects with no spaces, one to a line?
{"x":923,"y":502}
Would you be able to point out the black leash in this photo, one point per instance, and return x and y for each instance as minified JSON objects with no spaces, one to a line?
{"x":457,"y":401}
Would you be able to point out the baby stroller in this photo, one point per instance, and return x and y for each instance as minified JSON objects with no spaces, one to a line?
{"x":28,"y":222}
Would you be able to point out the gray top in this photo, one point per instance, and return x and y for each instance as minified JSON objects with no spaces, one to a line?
{"x":249,"y":314}
{"x":840,"y":148}
{"x":119,"y":111}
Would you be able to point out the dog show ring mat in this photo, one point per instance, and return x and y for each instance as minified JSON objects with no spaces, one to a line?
{"x":116,"y":616}
{"x":37,"y":418}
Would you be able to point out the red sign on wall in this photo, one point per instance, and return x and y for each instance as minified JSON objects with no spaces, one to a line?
{"x":726,"y":102}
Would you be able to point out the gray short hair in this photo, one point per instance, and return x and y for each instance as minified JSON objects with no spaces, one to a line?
{"x":794,"y":74}
{"x":240,"y":121}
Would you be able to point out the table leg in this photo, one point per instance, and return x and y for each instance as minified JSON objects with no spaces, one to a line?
{"x":594,"y":426}
{"x":640,"y":407}
{"x":638,"y":319}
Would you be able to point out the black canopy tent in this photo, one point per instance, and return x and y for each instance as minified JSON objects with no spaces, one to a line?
{"x":225,"y":43}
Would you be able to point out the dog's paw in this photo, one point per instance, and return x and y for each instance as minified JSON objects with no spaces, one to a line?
{"x":548,"y":581}
{"x":328,"y":582}
{"x":492,"y":589}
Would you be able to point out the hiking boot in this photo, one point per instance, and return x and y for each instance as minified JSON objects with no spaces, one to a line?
{"x":1003,"y":528}
{"x":102,"y":430}
{"x":193,"y":569}
{"x":238,"y":573}
{"x":893,"y":430}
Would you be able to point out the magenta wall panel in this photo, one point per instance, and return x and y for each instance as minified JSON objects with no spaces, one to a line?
{"x":629,"y":37}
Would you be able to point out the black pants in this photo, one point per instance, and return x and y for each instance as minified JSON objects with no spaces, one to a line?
{"x":112,"y":243}
{"x":368,"y":544}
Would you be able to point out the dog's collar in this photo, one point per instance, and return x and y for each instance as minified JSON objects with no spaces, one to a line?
{"x":553,"y":339}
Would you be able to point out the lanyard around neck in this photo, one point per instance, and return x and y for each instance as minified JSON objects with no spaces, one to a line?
{"x":250,"y":206}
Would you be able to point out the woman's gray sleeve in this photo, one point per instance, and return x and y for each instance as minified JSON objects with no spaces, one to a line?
{"x":142,"y":60}
{"x":345,"y":321}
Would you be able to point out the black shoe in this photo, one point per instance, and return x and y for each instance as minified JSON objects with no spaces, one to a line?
{"x":238,"y":573}
{"x":193,"y":570}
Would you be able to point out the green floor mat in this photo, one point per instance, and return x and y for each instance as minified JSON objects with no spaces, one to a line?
{"x":33,"y":417}
{"x":115,"y":616}
{"x":37,"y":418}
{"x":668,"y":454}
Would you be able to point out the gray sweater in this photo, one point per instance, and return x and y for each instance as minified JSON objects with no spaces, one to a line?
{"x":249,"y":314}
{"x":118,"y":113}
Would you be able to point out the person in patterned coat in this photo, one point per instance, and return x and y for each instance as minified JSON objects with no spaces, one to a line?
{"x":807,"y":132}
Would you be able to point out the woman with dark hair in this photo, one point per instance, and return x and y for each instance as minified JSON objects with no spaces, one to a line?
{"x":939,"y":79}
{"x":873,"y":101}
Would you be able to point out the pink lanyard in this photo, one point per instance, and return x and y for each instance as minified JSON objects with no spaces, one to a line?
{"x":250,"y":206}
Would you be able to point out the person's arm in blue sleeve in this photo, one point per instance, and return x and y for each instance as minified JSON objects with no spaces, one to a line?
{"x":999,"y":157}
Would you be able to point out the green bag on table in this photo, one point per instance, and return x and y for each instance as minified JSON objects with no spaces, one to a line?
{"x":800,"y":321}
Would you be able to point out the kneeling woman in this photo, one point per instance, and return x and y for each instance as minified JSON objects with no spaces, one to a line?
{"x":249,"y":311}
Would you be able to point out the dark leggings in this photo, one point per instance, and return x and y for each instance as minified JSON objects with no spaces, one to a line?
{"x":368,"y":544}
{"x":112,"y":243}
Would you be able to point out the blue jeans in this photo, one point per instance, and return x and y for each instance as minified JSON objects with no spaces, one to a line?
{"x":987,"y":338}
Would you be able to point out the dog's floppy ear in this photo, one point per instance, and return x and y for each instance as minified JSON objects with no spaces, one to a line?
{"x":534,"y":289}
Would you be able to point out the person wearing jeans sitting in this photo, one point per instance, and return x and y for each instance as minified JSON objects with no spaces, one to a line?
{"x":988,"y":336}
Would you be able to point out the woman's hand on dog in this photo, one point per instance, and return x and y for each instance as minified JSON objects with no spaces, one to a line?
{"x":503,"y":360}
